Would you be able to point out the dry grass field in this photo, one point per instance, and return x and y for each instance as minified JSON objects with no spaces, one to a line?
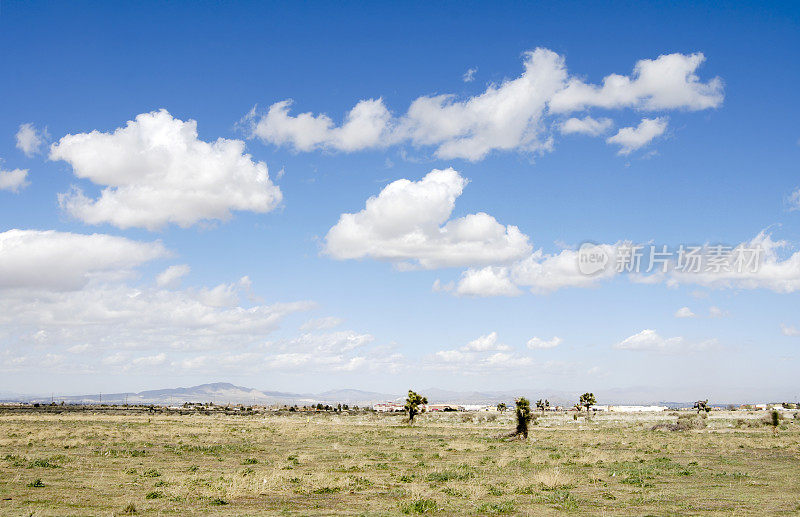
{"x":368,"y":464}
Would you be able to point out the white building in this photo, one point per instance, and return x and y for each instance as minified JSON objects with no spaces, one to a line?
{"x":630,"y":409}
{"x":388,"y":407}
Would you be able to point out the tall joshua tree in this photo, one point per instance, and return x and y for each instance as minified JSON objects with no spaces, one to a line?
{"x":502,"y":407}
{"x":702,"y":405}
{"x":523,"y":416}
{"x":587,"y":400}
{"x":413,"y":401}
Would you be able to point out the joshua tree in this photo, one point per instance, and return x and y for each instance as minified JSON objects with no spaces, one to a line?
{"x":413,"y":402}
{"x":502,"y":407}
{"x":542,"y":404}
{"x":775,"y":420}
{"x":587,"y":400}
{"x":523,"y":416}
{"x":702,"y":405}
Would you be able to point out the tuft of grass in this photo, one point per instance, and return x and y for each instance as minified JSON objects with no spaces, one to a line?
{"x":129,"y":509}
{"x":36,"y":483}
{"x":43,"y":463}
{"x":327,"y":490}
{"x":154,"y":495}
{"x":250,"y":461}
{"x":496,"y":508}
{"x":420,"y":506}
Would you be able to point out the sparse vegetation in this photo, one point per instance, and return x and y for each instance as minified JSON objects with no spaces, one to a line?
{"x":336,"y":463}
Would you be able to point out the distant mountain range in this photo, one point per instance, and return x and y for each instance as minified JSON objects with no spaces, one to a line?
{"x":224,"y":393}
{"x":218,"y":393}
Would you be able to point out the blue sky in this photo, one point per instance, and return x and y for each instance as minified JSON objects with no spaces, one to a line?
{"x":711,"y":158}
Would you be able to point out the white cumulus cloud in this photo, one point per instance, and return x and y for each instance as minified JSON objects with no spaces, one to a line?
{"x":156,"y":171}
{"x":13,"y":180}
{"x":633,"y":138}
{"x":685,"y":312}
{"x":535,"y":343}
{"x":486,"y":281}
{"x":517,"y":114}
{"x":408,"y":222}
{"x":487,"y":343}
{"x":667,"y":82}
{"x":586,"y":126}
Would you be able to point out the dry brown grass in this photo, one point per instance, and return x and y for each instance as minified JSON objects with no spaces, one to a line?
{"x":98,"y":464}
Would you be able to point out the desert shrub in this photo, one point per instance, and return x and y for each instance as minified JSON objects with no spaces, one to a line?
{"x":747,"y":422}
{"x":36,"y":484}
{"x":685,"y":423}
{"x":154,"y":495}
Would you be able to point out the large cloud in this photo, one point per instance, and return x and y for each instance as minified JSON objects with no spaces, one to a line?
{"x":772,"y":270}
{"x":503,"y":117}
{"x":64,"y":261}
{"x":156,"y":171}
{"x":116,"y":325}
{"x":517,"y":114}
{"x":408,"y":223}
{"x":67,"y":305}
{"x":756,"y":264}
{"x":117,"y":316}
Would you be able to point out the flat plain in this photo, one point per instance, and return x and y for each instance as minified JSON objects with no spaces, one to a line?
{"x":93,"y":463}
